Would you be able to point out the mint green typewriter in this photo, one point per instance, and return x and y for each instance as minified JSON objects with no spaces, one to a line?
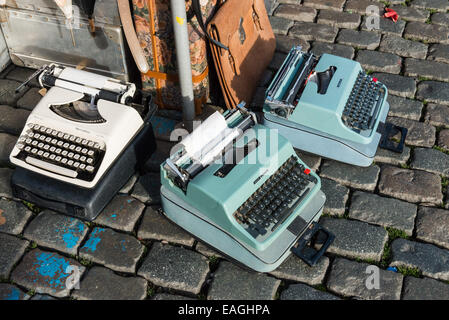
{"x":329,"y":106}
{"x":240,"y":187}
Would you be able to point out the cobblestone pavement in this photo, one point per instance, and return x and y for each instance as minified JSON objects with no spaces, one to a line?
{"x":392,"y":214}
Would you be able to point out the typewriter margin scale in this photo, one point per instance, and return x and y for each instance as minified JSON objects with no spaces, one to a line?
{"x":313,"y":134}
{"x":221,"y":229}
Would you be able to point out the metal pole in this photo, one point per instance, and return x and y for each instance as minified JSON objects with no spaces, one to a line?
{"x":179,"y":17}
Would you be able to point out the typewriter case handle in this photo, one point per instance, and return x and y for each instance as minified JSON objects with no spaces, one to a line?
{"x":389,"y":130}
{"x":304,"y":249}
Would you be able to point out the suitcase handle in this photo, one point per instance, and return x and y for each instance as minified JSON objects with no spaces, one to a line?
{"x":305,"y":247}
{"x":131,"y":36}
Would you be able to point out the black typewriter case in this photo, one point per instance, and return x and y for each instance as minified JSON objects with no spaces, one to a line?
{"x":72,"y":200}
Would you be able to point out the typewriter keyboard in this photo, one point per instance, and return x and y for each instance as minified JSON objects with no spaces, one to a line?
{"x":60,"y":152}
{"x":276,"y":199}
{"x":362,"y":104}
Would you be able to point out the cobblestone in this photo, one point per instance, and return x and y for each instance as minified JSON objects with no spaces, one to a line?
{"x":443,"y":139}
{"x":147,"y":188}
{"x":405,"y":108}
{"x":431,"y":33}
{"x":122,"y":213}
{"x":411,"y":13}
{"x":432,"y":225}
{"x":336,"y":197}
{"x":386,"y":26}
{"x":174,"y":267}
{"x":303,"y":292}
{"x":280,"y":25}
{"x":441,"y":18}
{"x":11,"y":250}
{"x":166,"y":296}
{"x":56,"y":231}
{"x":434,"y":91}
{"x":294,"y":269}
{"x":339,"y":19}
{"x":438,"y":5}
{"x":7,"y":143}
{"x":355,"y":239}
{"x":397,"y":85}
{"x":419,"y":134}
{"x":103,"y":284}
{"x":21,"y":74}
{"x":360,"y":6}
{"x":295,"y":12}
{"x":410,"y":185}
{"x":431,"y":260}
{"x":402,"y":47}
{"x":13,"y":216}
{"x":351,"y":176}
{"x":425,"y":289}
{"x":379,"y":61}
{"x":5,"y":182}
{"x":439,"y":52}
{"x":437,"y":115}
{"x":8,"y":96}
{"x":156,"y":226}
{"x":431,"y":160}
{"x":12,"y":120}
{"x":428,"y":69}
{"x":359,"y":39}
{"x":30,"y":99}
{"x":325,"y":4}
{"x":319,"y":48}
{"x":285,"y":43}
{"x":46,"y":273}
{"x":11,"y":292}
{"x":390,"y":157}
{"x":386,"y":212}
{"x":313,"y":32}
{"x":233,"y":283}
{"x":117,"y":251}
{"x":348,"y":278}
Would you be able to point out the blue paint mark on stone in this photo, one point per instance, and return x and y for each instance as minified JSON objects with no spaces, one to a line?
{"x":122,"y":244}
{"x":94,"y":240}
{"x":52,"y":269}
{"x":114,"y":216}
{"x":71,"y":233}
{"x":130,"y":200}
{"x":14,"y":295}
{"x":70,"y":240}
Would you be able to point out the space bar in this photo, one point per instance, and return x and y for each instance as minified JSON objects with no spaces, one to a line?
{"x":51,"y":167}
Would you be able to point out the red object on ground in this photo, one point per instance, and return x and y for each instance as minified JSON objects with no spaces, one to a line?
{"x":390,"y":13}
{"x":307,"y":171}
{"x":375,"y":79}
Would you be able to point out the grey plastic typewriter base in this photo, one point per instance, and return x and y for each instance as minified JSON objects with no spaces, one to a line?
{"x":197,"y":224}
{"x":325,"y":145}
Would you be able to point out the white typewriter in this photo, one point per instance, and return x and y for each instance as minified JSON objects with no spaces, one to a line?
{"x":79,"y":127}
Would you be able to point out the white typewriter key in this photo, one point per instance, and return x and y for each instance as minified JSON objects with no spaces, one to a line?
{"x":48,"y":130}
{"x":70,"y":155}
{"x":60,"y":143}
{"x":70,"y":162}
{"x":76,"y":164}
{"x":58,"y":151}
{"x":36,"y":136}
{"x":40,"y":145}
{"x":52,"y":149}
{"x":72,"y":147}
{"x":90,"y":144}
{"x":27,"y":149}
{"x":90,"y":153}
{"x":66,"y":136}
{"x":31,"y":125}
{"x":66,"y":145}
{"x":51,"y":167}
{"x":82,"y":166}
{"x":64,"y":153}
{"x":48,"y":139}
{"x":90,"y":161}
{"x":78,"y":149}
{"x":78,"y":140}
{"x":29,"y":141}
{"x":46,"y":147}
{"x":54,"y":141}
{"x":36,"y":127}
{"x":46,"y":154}
{"x":84,"y":142}
{"x":30,"y":134}
{"x":42,"y":129}
{"x":34,"y":143}
{"x":72,"y":138}
{"x":64,"y":161}
{"x":83,"y":159}
{"x":54,"y":132}
{"x":42,"y":138}
{"x":76,"y":156}
{"x":84,"y":151}
{"x":40,"y":153}
{"x":19,"y":146}
{"x":52,"y":157}
{"x":90,"y":168}
{"x":22,"y":139}
{"x":60,"y":135}
{"x":97,"y":146}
